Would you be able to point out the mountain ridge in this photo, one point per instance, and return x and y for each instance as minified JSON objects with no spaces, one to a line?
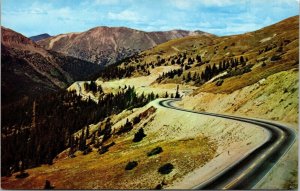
{"x":106,"y":45}
{"x":39,"y":37}
{"x":28,"y":69}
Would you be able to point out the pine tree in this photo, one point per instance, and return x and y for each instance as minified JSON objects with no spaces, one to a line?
{"x":87,"y":132}
{"x":93,"y":138}
{"x":48,"y":185}
{"x":214,"y":70}
{"x":177,"y":95}
{"x":242,"y":59}
{"x":100,"y":89}
{"x":72,"y":146}
{"x":93,"y":86}
{"x":82,"y":140}
{"x":198,"y":58}
{"x":86,"y":87}
{"x":194,"y":76}
{"x":188,"y":77}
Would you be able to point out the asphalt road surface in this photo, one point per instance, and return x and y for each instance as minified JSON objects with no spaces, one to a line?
{"x":247,"y":172}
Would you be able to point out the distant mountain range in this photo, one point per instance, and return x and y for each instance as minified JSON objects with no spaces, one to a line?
{"x":42,"y":63}
{"x":39,"y":37}
{"x":107,"y":45}
{"x":28,"y":69}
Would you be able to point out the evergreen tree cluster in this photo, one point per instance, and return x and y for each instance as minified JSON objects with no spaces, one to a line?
{"x":93,"y":87}
{"x":126,"y":67}
{"x":208,"y":73}
{"x":35,"y":131}
{"x":171,"y":74}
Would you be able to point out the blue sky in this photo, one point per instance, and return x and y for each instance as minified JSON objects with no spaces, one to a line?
{"x":220,"y":17}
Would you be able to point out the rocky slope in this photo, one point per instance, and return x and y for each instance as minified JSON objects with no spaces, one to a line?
{"x":106,"y":45}
{"x":28,"y":69}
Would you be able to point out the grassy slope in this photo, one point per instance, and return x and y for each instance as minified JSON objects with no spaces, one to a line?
{"x":107,"y":171}
{"x":216,"y":49}
{"x":186,"y":144}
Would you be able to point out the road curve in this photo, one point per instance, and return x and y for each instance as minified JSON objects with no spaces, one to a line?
{"x":247,"y":172}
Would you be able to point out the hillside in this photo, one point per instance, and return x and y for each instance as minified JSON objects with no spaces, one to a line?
{"x":262,"y":53}
{"x":184,"y":144}
{"x":107,"y":45}
{"x":254,"y":75}
{"x":28,"y":69}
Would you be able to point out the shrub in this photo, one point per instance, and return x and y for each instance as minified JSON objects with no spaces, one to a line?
{"x":139,"y":135}
{"x":126,"y":128}
{"x":130,"y":165}
{"x":104,"y":149}
{"x":22,"y":175}
{"x":136,"y":120}
{"x":238,"y":71}
{"x":87,"y":150}
{"x":155,"y":151}
{"x":166,"y":168}
{"x":158,"y":187}
{"x":219,"y":82}
{"x":48,"y":185}
{"x":275,"y":58}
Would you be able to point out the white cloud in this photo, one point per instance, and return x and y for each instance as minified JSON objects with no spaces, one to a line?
{"x":45,"y":18}
{"x":213,"y":16}
{"x":125,"y":15}
{"x":187,"y":4}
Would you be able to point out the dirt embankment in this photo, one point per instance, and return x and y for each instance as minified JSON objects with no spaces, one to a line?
{"x":274,"y":98}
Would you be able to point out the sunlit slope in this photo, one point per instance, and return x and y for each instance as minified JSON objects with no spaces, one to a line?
{"x":256,"y":55}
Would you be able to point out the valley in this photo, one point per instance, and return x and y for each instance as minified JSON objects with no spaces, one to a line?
{"x":177,"y":114}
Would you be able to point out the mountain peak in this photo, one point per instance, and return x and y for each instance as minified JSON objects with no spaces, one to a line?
{"x":106,"y":45}
{"x":40,"y":37}
{"x":12,"y":38}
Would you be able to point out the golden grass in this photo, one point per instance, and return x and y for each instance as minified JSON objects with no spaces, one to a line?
{"x":249,"y":45}
{"x":107,"y":171}
{"x":237,"y":82}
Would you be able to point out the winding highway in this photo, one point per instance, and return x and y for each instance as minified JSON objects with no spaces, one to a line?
{"x":252,"y":168}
